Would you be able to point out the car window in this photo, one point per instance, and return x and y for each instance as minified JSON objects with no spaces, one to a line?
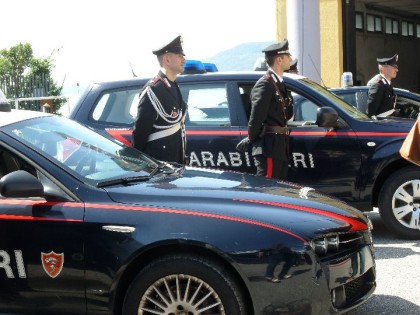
{"x":11,"y":162}
{"x":350,"y":98}
{"x":407,"y":101}
{"x":81,"y":150}
{"x":344,"y":106}
{"x":117,"y":107}
{"x":245,"y":90}
{"x":361,"y":98}
{"x":357,"y":99}
{"x":207,"y":104}
{"x":304,"y":109}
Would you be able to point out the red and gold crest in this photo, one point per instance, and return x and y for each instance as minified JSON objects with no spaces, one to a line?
{"x":52,"y":263}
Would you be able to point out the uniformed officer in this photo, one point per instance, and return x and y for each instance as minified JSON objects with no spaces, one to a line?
{"x":159,"y":128}
{"x":381,"y":96}
{"x":293,"y":67}
{"x":272,"y":107}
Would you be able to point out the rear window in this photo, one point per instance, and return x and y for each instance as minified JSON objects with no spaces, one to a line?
{"x":119,"y":107}
{"x":207,"y":104}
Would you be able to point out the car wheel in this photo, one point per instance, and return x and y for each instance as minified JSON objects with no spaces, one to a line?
{"x":399,"y":203}
{"x":180,"y":284}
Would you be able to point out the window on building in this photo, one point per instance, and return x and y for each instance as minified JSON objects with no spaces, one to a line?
{"x":391,"y":26}
{"x":359,"y":21}
{"x":378,"y":24}
{"x":418,"y":30}
{"x":395,"y":28}
{"x":410,"y":29}
{"x":373,"y":23}
{"x":407,"y":28}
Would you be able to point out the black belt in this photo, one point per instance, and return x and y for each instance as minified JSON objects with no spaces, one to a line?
{"x":277,"y":130}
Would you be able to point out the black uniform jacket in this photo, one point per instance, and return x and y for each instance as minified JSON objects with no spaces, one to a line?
{"x":381,"y":97}
{"x":268,"y":109}
{"x":159,"y":127}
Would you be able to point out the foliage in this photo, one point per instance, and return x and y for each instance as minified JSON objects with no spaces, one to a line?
{"x":22,"y":75}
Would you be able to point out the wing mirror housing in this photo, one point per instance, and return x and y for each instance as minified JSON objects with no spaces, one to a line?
{"x":20,"y":184}
{"x":326,"y":117}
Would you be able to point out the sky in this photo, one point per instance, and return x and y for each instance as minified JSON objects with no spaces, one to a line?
{"x":100,"y":40}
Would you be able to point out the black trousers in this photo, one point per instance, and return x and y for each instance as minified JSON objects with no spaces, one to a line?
{"x":271,"y":167}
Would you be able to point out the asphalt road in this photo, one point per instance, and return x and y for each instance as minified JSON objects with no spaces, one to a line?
{"x":398,"y":274}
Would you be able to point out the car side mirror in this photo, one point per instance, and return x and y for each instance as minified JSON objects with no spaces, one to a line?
{"x":20,"y":184}
{"x":326,"y":117}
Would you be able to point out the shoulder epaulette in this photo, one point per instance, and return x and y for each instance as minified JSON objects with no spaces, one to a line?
{"x":155,"y":80}
{"x":158,"y":78}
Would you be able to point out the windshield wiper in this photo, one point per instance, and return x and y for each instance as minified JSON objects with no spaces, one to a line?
{"x":123,"y":181}
{"x":161,"y":168}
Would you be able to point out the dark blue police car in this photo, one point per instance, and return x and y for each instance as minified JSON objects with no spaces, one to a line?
{"x":91,"y":226}
{"x":335,"y":148}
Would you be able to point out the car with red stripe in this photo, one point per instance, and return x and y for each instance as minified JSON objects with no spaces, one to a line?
{"x":89,"y":225}
{"x":335,"y":148}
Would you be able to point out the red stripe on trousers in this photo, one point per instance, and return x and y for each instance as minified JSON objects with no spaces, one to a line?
{"x":269,"y":167}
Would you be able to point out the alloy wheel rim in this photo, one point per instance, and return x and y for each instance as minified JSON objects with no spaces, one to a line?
{"x":180,"y":294}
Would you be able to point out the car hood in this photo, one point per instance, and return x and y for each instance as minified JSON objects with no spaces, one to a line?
{"x":238,"y":196}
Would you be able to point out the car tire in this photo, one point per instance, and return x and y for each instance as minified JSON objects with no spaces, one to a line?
{"x":187,"y":275}
{"x":399,"y":202}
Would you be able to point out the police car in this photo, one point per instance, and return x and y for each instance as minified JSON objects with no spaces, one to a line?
{"x":407,"y":103}
{"x":91,"y":226}
{"x":335,"y":148}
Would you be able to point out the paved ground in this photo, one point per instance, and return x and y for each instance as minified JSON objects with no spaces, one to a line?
{"x":398,"y":275}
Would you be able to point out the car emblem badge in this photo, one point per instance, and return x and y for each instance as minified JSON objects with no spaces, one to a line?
{"x":52,"y":263}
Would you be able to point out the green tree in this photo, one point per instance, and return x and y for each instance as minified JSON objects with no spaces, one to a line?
{"x":23,"y":75}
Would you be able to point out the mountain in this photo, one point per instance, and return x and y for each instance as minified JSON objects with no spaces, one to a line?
{"x":241,"y":57}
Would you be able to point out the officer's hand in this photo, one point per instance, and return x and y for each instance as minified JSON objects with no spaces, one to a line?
{"x":243,"y":145}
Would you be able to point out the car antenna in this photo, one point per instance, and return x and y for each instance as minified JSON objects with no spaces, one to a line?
{"x":132,"y":71}
{"x":317,"y":70}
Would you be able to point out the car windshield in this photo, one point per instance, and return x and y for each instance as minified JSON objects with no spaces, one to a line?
{"x":348,"y":108}
{"x":81,"y":150}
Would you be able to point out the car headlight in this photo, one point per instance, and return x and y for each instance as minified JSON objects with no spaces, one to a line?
{"x":326,"y":244}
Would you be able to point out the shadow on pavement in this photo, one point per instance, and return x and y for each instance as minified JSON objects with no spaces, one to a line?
{"x":386,"y":305}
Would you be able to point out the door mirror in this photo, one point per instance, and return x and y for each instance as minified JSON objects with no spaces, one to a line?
{"x":20,"y":184}
{"x":326,"y":117}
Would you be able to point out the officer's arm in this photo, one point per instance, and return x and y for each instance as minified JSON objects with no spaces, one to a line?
{"x":375,"y":98}
{"x":146,"y":116}
{"x":261,"y":96}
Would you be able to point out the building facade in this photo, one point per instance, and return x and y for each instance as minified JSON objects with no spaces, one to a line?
{"x":351,"y":35}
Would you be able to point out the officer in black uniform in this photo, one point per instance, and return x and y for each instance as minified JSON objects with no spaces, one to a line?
{"x":159,"y":128}
{"x":381,"y":93}
{"x":272,"y":107}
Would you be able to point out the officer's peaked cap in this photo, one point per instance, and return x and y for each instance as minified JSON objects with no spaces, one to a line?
{"x":281,"y":48}
{"x":388,"y":61}
{"x":293,"y":64}
{"x":175,"y":46}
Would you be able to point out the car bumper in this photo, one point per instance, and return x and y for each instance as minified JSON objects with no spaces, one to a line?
{"x":315,"y":287}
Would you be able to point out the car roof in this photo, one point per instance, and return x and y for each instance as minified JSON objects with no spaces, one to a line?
{"x":364,"y":87}
{"x":399,"y":91}
{"x":16,"y":115}
{"x":225,"y":75}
